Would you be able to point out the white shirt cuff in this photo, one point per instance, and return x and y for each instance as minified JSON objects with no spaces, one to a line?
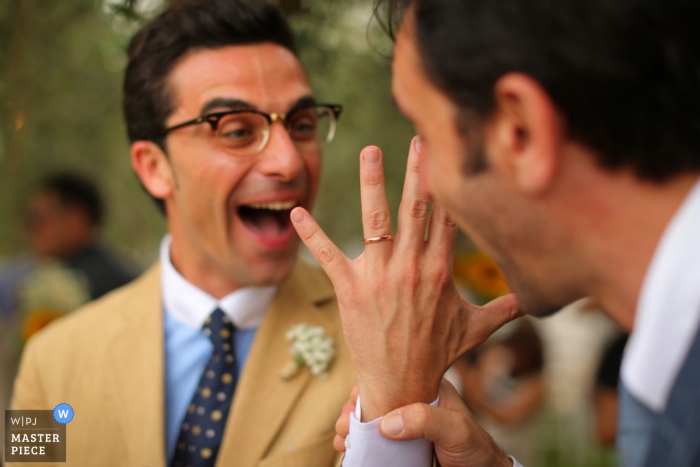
{"x":515,"y":462}
{"x":365,"y":446}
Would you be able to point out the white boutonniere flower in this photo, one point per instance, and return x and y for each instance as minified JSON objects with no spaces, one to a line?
{"x":310,"y":347}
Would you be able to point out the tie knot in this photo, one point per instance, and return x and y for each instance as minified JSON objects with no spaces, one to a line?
{"x":219,"y":328}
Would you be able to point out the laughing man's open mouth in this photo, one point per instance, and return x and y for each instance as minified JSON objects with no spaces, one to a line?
{"x":270,"y":220}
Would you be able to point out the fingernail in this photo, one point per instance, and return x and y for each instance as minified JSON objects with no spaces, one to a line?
{"x":297,"y":216}
{"x":418,"y":144}
{"x":393,"y":424}
{"x":371,"y":156}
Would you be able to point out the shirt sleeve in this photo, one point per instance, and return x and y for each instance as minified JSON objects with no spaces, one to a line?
{"x":365,"y":446}
{"x":515,"y":462}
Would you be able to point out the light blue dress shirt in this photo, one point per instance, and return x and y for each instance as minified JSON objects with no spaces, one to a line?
{"x":187,"y":349}
{"x":12,"y":274}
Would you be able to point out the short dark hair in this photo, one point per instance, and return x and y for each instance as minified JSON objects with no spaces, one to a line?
{"x":195,"y":24}
{"x":625,"y":74}
{"x":76,"y":190}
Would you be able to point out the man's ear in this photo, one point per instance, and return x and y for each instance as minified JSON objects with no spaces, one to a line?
{"x":153,"y":169}
{"x":528,"y":132}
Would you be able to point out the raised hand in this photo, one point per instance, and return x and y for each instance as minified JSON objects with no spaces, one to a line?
{"x":403,"y":318}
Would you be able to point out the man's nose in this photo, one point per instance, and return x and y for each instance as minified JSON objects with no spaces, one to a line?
{"x":281,"y":158}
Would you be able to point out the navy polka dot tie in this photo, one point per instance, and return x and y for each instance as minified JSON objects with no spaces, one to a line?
{"x":203,"y":427}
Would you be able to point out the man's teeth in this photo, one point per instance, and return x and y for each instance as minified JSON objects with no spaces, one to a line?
{"x":277,"y":206}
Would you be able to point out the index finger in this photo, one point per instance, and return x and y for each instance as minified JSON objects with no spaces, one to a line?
{"x":329,"y":256}
{"x":342,"y":426}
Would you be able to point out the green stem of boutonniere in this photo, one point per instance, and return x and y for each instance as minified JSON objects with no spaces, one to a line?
{"x":289,"y":370}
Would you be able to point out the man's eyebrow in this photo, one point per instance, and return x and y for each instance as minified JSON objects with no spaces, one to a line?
{"x":238,"y":104}
{"x":302,"y":103}
{"x":227,"y":104}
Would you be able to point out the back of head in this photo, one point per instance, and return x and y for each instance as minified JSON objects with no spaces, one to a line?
{"x":192,"y":25}
{"x":64,"y":215}
{"x":624,"y":74}
{"x":76,"y":191}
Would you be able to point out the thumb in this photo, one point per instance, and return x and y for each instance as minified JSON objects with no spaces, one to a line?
{"x":459,"y":440}
{"x":446,"y":426}
{"x":423,"y":421}
{"x":502,"y":310}
{"x":482,"y":321}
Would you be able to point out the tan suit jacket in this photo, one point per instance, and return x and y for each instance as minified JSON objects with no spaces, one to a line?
{"x":107,"y":361}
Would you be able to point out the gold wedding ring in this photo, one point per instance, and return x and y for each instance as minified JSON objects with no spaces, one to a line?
{"x":367,"y":241}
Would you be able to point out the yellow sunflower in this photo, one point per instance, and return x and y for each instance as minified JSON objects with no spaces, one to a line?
{"x":480,"y":274}
{"x":37,"y":320}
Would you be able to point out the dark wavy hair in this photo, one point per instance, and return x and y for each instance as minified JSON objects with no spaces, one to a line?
{"x":624,"y":74}
{"x":73,"y":189}
{"x":196,"y":24}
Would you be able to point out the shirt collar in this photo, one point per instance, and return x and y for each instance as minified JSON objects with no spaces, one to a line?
{"x":668,"y":310}
{"x":191,"y":306}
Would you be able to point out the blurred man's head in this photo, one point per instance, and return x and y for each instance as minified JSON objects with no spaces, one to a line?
{"x":226,"y":132}
{"x":64,"y":216}
{"x":547,"y":109}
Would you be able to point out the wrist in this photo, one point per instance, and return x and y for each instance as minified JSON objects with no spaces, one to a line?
{"x":504,"y":459}
{"x":378,"y":400}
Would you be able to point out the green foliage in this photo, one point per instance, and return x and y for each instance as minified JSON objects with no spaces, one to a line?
{"x":127,"y":10}
{"x":60,"y":76}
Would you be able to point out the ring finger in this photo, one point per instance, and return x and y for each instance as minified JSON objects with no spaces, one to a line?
{"x":376,"y":219}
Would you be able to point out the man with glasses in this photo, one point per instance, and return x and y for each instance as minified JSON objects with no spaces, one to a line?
{"x":183,"y":366}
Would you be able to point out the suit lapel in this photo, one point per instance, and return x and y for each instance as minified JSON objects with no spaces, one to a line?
{"x":138,"y":368}
{"x":263,"y":401}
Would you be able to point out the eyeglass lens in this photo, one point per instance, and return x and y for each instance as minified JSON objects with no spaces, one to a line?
{"x":247,"y":132}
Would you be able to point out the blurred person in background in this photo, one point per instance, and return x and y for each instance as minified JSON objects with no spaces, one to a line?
{"x":191,"y":363}
{"x":606,"y":390}
{"x":64,"y":223}
{"x":563,"y":137}
{"x":13,"y":272}
{"x":503,"y":385}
